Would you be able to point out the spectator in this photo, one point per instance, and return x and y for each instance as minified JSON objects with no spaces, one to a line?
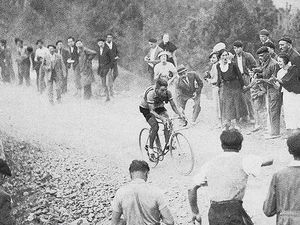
{"x":189,"y":86}
{"x":264,"y":36}
{"x":269,"y":69}
{"x":285,"y":46}
{"x":152,"y":57}
{"x":140,"y":202}
{"x":231,"y":83}
{"x":271,"y":48}
{"x":7,"y":71}
{"x":42,"y":54}
{"x":245,"y":62}
{"x":283,"y":198}
{"x":65,"y":54}
{"x":169,"y":47}
{"x":85,"y":68}
{"x":226,"y":177}
{"x":115,"y":57}
{"x":23,"y":62}
{"x":73,"y":65}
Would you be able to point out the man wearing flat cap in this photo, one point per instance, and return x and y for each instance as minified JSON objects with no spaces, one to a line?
{"x":269,"y":69}
{"x":283,"y":198}
{"x":285,"y":46}
{"x":264,"y":36}
{"x":5,"y":199}
{"x":152,"y":57}
{"x":245,"y":62}
{"x":188,"y":86}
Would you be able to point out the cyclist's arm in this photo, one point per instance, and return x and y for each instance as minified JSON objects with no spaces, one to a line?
{"x":166,"y":216}
{"x":151,"y":108}
{"x":174,"y":107}
{"x":116,"y":218}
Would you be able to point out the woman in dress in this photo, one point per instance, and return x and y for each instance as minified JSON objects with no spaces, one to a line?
{"x":169,"y":47}
{"x":231,"y":84}
{"x":291,"y":100}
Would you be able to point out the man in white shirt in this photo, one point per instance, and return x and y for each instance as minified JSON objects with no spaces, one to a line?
{"x":140,"y":202}
{"x":165,"y":70}
{"x":152,"y":57}
{"x":41,"y":54}
{"x":226,"y":177}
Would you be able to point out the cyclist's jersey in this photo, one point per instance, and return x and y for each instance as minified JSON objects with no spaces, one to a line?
{"x":150,"y":97}
{"x":164,"y":71}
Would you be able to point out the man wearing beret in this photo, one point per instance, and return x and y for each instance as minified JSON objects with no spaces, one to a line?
{"x":264,"y":36}
{"x":283,"y":199}
{"x":188,"y":86}
{"x":152,"y":57}
{"x":271,"y":48}
{"x":269,"y":69}
{"x":285,"y":45}
{"x":245,"y":62}
{"x":5,"y":199}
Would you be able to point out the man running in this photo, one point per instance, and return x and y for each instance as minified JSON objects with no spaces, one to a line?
{"x":152,"y":107}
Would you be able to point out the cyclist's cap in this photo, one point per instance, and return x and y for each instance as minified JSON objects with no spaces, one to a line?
{"x":163,"y":53}
{"x":152,"y":40}
{"x":181,"y":68}
{"x":262,"y":50}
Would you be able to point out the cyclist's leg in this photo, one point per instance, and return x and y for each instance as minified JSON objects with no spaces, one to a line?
{"x":153,"y":130}
{"x":167,"y":133}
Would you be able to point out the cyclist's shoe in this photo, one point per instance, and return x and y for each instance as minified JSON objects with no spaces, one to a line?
{"x":168,"y":148}
{"x":151,"y":154}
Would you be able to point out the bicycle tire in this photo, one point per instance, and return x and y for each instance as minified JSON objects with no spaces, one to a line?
{"x":178,"y":153}
{"x":143,"y":142}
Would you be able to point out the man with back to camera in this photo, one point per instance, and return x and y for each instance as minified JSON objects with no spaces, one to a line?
{"x":140,"y":202}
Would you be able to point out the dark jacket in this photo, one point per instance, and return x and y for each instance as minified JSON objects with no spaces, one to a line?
{"x":114,"y":51}
{"x":193,"y":85}
{"x":65,"y":56}
{"x":291,"y":81}
{"x":294,"y":57}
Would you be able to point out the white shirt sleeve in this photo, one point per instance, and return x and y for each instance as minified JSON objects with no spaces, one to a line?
{"x":156,"y":68}
{"x":252,"y":165}
{"x":201,"y":177}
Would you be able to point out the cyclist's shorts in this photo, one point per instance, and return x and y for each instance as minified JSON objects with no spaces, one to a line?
{"x":148,"y":115}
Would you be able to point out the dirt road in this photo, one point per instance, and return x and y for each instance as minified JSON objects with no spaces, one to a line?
{"x":102,"y":138}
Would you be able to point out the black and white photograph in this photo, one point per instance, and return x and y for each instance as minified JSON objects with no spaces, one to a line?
{"x":150,"y":112}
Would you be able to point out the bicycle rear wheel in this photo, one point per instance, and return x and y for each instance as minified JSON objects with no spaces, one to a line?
{"x":182,"y":154}
{"x":144,"y":144}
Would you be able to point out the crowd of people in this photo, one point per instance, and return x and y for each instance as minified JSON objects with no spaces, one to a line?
{"x":55,"y":64}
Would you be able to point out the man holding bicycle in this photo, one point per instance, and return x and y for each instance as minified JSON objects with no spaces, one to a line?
{"x":152,"y":107}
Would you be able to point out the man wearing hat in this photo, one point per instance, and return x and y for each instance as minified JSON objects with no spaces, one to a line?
{"x":264,"y":36}
{"x":269,"y":69}
{"x":245,"y":62}
{"x":226,"y":176}
{"x":152,"y":57}
{"x":271,"y":48}
{"x":5,"y":199}
{"x":188,"y":86}
{"x":285,"y":46}
{"x":164,"y":69}
{"x":283,"y":198}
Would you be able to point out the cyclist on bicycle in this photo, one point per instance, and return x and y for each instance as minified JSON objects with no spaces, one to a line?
{"x":152,"y":107}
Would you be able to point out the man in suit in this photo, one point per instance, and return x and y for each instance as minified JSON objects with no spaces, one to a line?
{"x":56,"y":74}
{"x":5,"y":199}
{"x":73,"y":64}
{"x":188,"y":86}
{"x":105,"y":62}
{"x":245,"y":62}
{"x":115,"y":57}
{"x":152,"y":57}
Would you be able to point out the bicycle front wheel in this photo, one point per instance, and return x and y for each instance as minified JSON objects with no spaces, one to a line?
{"x":182,"y":154}
{"x":144,"y":144}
